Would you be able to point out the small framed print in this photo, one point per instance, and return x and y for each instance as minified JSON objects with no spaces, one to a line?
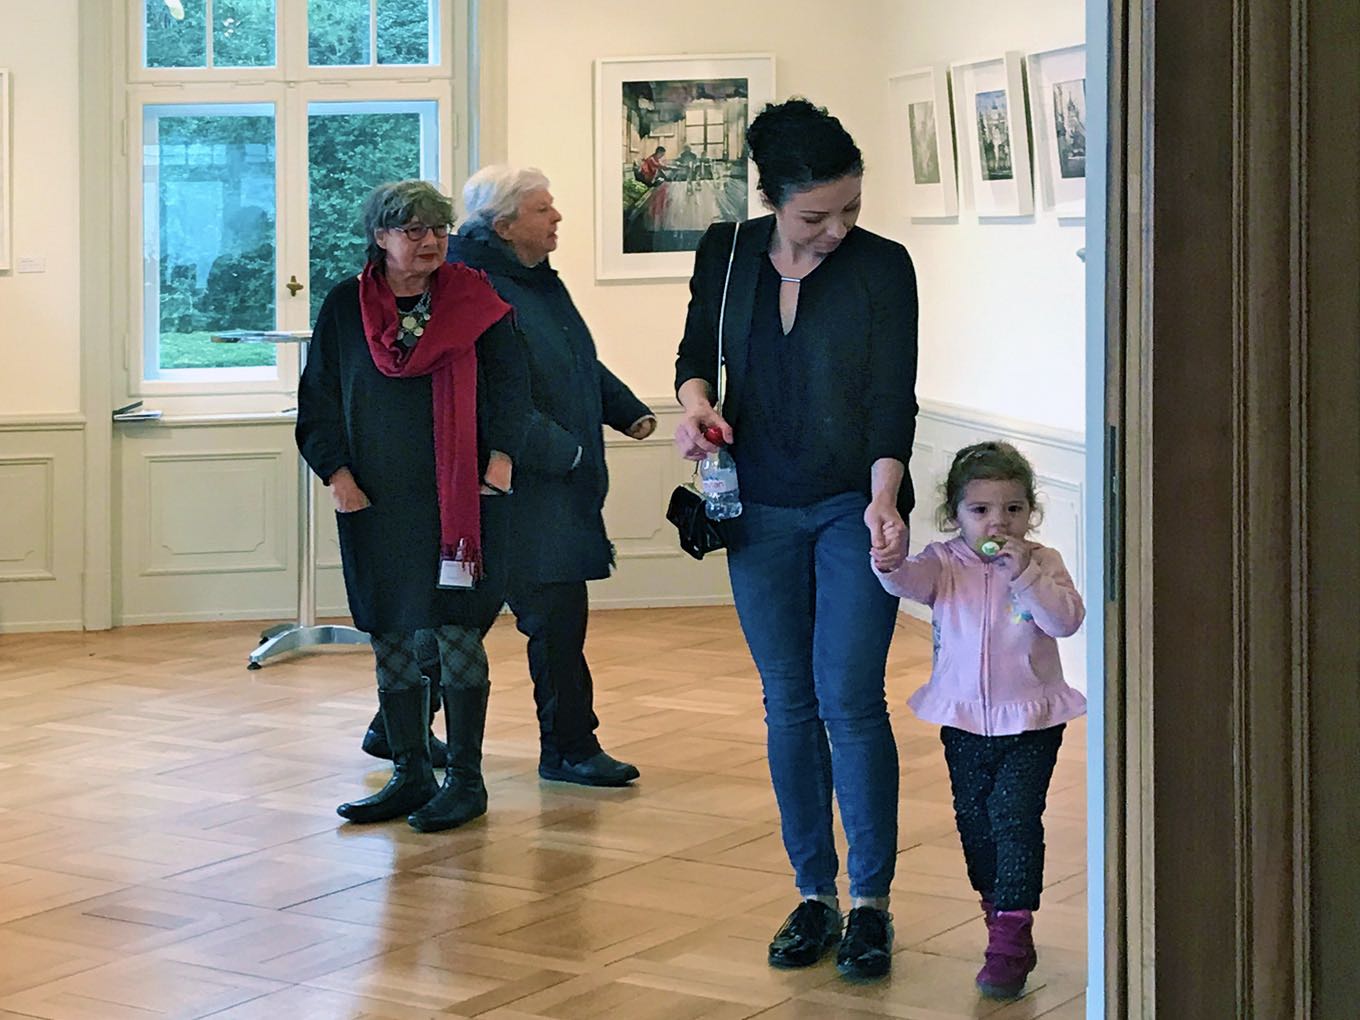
{"x":1057,"y":88}
{"x":989,"y":109}
{"x":923,"y":142}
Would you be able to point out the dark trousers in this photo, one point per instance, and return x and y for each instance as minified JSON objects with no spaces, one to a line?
{"x":1000,"y":789}
{"x":553,"y":618}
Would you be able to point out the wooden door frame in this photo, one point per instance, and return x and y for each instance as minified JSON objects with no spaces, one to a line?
{"x":1233,"y":676}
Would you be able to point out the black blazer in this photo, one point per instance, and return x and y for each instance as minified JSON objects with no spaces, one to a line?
{"x":867,"y":313}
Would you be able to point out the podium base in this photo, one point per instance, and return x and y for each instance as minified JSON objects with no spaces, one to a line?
{"x":292,"y":637}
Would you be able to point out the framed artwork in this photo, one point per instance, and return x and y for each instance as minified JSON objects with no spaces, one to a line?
{"x":989,"y":108}
{"x":670,"y":156}
{"x":1057,"y":87}
{"x":6,"y":231}
{"x":923,"y":142}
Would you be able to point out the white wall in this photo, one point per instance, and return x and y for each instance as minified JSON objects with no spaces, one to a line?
{"x":1002,"y":304}
{"x":832,"y":53}
{"x":40,"y":313}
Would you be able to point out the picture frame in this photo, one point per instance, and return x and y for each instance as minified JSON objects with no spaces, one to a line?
{"x":6,"y":204}
{"x":989,"y":109}
{"x":923,"y":141}
{"x":670,"y":156}
{"x":1057,"y":84}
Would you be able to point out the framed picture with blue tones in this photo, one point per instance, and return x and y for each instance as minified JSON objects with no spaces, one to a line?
{"x":989,"y":109}
{"x":670,"y":156}
{"x":923,"y":142}
{"x":1057,"y":89}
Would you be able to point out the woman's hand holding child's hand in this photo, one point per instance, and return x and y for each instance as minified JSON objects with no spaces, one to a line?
{"x":888,"y":537}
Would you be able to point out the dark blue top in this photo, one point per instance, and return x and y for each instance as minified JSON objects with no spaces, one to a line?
{"x":788,"y":448}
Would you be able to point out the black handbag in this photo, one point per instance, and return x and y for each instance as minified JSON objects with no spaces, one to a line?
{"x":698,"y":533}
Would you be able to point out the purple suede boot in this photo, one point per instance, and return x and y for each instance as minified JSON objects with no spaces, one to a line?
{"x":1010,"y":954}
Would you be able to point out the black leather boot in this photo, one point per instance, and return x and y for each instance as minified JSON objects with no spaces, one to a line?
{"x":412,"y":782}
{"x":375,"y":737}
{"x":463,"y":795}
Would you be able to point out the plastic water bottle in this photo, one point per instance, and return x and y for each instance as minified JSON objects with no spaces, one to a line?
{"x":718,"y":483}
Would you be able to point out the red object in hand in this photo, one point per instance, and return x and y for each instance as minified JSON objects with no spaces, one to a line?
{"x":714,"y":435}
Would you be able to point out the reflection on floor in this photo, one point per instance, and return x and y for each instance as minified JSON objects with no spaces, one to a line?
{"x":168,"y":846}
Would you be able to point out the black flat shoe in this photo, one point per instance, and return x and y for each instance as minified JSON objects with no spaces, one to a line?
{"x":597,"y":770}
{"x":807,"y":934}
{"x":866,"y":949}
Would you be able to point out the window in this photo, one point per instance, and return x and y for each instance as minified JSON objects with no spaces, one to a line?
{"x":209,"y":246}
{"x":208,"y":33}
{"x":705,"y":131}
{"x":352,"y":146}
{"x":256,"y":128}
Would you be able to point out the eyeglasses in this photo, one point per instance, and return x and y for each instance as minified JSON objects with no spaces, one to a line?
{"x":417,"y":231}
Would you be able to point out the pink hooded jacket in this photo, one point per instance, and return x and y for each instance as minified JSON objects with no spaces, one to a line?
{"x":996,"y":669}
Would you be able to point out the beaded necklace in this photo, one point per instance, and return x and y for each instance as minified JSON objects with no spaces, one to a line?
{"x":412,"y":323}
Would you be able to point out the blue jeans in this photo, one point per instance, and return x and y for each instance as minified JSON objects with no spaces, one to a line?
{"x":819,"y":624}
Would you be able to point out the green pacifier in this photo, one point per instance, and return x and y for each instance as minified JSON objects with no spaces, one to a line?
{"x":990,"y":546}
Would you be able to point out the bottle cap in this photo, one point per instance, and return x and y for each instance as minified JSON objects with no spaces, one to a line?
{"x":714,"y":435}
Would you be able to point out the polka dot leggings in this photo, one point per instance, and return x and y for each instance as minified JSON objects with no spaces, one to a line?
{"x":1000,"y":789}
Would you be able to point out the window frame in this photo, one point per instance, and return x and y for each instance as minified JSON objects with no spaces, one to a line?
{"x":290,"y":50}
{"x":290,"y":86}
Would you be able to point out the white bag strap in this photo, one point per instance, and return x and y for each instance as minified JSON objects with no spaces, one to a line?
{"x":722,"y":315}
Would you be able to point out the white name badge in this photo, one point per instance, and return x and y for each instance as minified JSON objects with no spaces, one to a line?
{"x":456,"y":574}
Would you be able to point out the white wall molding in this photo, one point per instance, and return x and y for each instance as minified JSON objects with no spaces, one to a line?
{"x":27,"y":540}
{"x":41,"y":524}
{"x":206,"y":522}
{"x":213,"y":512}
{"x":1031,"y":433}
{"x":41,"y":422}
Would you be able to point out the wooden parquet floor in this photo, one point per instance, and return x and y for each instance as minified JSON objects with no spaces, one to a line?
{"x":169,"y":847}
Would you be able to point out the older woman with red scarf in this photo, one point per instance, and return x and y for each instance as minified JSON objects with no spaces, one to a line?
{"x":412,"y":408}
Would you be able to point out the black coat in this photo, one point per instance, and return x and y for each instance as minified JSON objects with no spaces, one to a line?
{"x":867,"y":315}
{"x":559,"y":515}
{"x":382,"y":428}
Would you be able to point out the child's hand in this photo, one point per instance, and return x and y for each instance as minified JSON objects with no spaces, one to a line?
{"x":1014,"y":557}
{"x":889,"y":555}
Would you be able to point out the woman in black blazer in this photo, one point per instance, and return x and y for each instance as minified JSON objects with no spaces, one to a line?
{"x":819,"y":344}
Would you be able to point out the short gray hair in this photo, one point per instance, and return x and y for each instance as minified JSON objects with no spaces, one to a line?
{"x":398,"y":203}
{"x":495,"y":193}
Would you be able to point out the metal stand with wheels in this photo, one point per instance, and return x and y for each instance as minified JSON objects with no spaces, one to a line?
{"x":306,"y":632}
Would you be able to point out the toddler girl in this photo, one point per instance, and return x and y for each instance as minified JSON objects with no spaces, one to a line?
{"x":996,"y":688}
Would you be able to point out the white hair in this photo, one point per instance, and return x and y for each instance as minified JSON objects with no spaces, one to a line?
{"x":495,"y":193}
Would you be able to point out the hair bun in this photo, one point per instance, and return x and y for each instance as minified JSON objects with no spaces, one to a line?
{"x":797,"y":144}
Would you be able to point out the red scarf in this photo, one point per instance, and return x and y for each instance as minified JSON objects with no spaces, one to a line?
{"x":463,"y":306}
